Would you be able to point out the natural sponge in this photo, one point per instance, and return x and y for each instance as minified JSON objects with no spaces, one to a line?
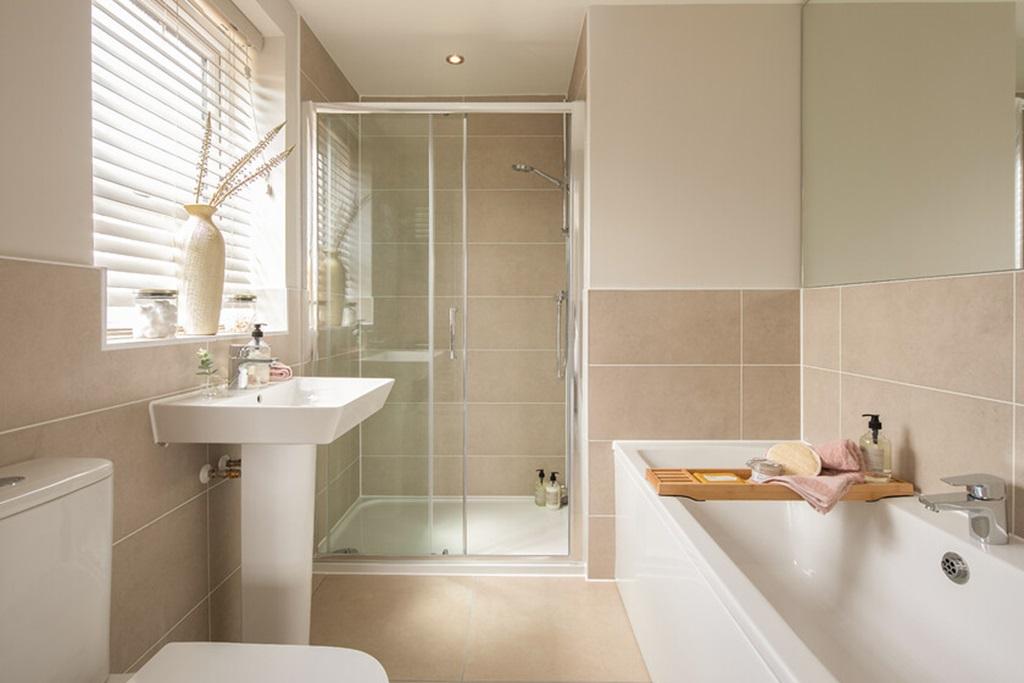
{"x":797,"y":459}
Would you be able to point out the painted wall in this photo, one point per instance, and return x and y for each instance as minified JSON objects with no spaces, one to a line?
{"x":694,"y":114}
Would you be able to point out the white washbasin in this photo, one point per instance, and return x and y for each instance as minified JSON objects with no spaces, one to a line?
{"x":278,"y":427}
{"x":302,"y":410}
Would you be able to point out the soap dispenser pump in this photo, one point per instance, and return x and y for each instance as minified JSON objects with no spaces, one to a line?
{"x":876,"y":451}
{"x":553,"y":493}
{"x":539,"y":494}
{"x":258,"y":350}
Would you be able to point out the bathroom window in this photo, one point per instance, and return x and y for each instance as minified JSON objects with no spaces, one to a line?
{"x":158,"y":67}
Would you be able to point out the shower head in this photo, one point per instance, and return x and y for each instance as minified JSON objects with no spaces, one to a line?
{"x":526,"y":168}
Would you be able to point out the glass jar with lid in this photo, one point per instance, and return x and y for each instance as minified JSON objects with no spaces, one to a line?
{"x":156,"y":314}
{"x":238,"y":313}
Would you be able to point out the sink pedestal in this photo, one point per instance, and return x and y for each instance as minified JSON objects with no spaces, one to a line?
{"x":278,"y":488}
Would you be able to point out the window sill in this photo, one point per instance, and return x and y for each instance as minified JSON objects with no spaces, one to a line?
{"x":116,"y":342}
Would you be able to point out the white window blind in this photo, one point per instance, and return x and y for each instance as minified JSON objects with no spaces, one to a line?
{"x":158,"y":67}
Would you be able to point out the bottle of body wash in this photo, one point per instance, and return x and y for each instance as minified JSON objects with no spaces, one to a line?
{"x":876,"y":451}
{"x":553,"y":493}
{"x":539,"y":494}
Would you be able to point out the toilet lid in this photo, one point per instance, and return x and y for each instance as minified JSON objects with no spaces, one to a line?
{"x":247,"y":663}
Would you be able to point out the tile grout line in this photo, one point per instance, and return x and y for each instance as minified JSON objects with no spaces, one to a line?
{"x":169,"y":631}
{"x":94,"y":411}
{"x":157,"y":519}
{"x":911,"y":385}
{"x":741,"y":364}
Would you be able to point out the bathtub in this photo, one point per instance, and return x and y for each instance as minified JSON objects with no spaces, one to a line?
{"x":772,"y":591}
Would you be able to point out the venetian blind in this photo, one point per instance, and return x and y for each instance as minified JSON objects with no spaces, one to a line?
{"x":158,"y":67}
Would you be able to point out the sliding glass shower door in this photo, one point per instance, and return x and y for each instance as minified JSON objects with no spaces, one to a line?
{"x":440,"y":261}
{"x":392,"y":283}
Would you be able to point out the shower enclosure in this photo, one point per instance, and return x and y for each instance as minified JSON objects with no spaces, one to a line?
{"x":439,"y":250}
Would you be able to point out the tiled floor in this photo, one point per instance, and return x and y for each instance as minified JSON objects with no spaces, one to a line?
{"x":440,"y":628}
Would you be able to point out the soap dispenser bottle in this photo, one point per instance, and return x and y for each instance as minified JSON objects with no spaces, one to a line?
{"x":539,"y":494}
{"x":259,"y":351}
{"x":553,"y":493}
{"x":876,"y":451}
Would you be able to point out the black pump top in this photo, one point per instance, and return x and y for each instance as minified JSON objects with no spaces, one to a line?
{"x":540,"y":473}
{"x":257,"y":333}
{"x":874,"y":424}
{"x":554,"y":478}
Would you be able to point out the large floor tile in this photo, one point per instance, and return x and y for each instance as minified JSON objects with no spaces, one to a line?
{"x":564,"y":629}
{"x":415,"y":626}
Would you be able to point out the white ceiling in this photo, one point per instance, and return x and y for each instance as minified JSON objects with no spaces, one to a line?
{"x":397,"y":47}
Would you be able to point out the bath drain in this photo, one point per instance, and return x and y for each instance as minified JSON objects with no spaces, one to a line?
{"x":955,"y":569}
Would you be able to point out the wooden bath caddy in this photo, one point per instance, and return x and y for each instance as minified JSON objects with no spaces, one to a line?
{"x":701,"y":484}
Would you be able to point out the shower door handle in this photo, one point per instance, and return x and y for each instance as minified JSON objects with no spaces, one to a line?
{"x":452,"y":312}
{"x":560,"y":299}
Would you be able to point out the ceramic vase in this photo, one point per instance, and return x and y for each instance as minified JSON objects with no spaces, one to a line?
{"x":201,"y":289}
{"x":334,"y":282}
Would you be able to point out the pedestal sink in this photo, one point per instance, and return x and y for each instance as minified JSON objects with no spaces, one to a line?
{"x":278,"y":427}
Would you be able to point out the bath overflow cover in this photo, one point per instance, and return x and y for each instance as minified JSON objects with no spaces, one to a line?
{"x":10,"y":481}
{"x":955,"y":569}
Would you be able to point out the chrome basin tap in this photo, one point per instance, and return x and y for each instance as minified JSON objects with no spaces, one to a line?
{"x":984,"y":501}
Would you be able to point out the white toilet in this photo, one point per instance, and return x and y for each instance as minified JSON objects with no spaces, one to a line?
{"x":56,"y":523}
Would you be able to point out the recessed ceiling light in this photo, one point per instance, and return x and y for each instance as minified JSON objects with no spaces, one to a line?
{"x":455,"y":59}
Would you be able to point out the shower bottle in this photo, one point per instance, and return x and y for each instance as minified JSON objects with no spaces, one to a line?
{"x":539,"y":494}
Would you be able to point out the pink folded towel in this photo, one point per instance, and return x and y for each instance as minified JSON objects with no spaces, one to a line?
{"x":842,"y":455}
{"x":841,"y":468}
{"x":279,"y":372}
{"x":823,"y":491}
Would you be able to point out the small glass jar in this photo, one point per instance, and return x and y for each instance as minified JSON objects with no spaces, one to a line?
{"x":238,"y":313}
{"x":156,"y":314}
{"x":763,"y":468}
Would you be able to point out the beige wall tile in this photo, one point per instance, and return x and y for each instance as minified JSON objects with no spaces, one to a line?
{"x":1018,"y":482}
{"x":511,"y":323}
{"x":308,"y":91}
{"x":821,"y":406}
{"x":514,"y":377}
{"x":404,"y":216}
{"x":1019,"y":336}
{"x":148,"y":480}
{"x":400,"y":270}
{"x":410,"y":379}
{"x":45,"y":301}
{"x":515,"y":216}
{"x":516,"y":269}
{"x":664,"y":402}
{"x":771,"y":326}
{"x":516,"y":429}
{"x":194,"y":627}
{"x":508,"y":476}
{"x":490,"y":162}
{"x":821,"y":327}
{"x":934,"y":434}
{"x":402,"y":429}
{"x":342,"y":453}
{"x":952,"y":333}
{"x":159,"y":574}
{"x":388,"y":475}
{"x":578,"y":77}
{"x":601,"y":476}
{"x":370,"y":613}
{"x":701,"y":327}
{"x":225,"y":529}
{"x":394,"y":163}
{"x":515,"y":124}
{"x":771,"y":402}
{"x":226,"y":611}
{"x":601,"y":548}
